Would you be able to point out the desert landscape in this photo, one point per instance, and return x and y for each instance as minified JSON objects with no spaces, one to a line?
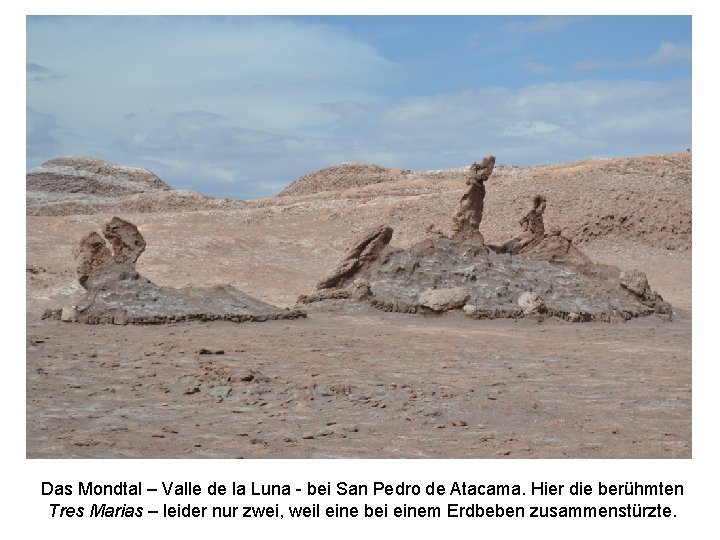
{"x":171,"y":324}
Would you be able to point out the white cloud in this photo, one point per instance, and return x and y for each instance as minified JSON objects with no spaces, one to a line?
{"x":528,"y":128}
{"x":239,"y":107}
{"x":38,"y":73}
{"x":669,"y":53}
{"x":39,"y":135}
{"x":541,"y":123}
{"x":536,"y":124}
{"x":266,"y":72}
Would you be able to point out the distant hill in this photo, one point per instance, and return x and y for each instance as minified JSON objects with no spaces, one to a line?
{"x":342,"y":176}
{"x":92,"y":176}
{"x":645,"y":199}
{"x":83,"y":185}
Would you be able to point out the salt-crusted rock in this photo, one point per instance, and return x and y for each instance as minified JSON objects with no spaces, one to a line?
{"x":444,"y":299}
{"x":442,"y":273}
{"x":68,"y":314}
{"x":531,"y":302}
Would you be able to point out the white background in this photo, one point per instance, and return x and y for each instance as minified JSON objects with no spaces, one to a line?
{"x":26,"y":512}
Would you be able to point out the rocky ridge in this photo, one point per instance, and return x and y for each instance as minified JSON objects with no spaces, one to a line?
{"x":81,"y":185}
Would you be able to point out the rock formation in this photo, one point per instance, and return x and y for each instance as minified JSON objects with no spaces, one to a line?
{"x":468,"y":214}
{"x":126,"y":241}
{"x":118,"y":294}
{"x":532,"y":275}
{"x":118,"y":247}
{"x":342,"y":176}
{"x":636,"y":282}
{"x":444,"y":299}
{"x":364,"y":251}
{"x":92,"y":177}
{"x":92,"y":256}
{"x":533,"y":226}
{"x":531,"y":302}
{"x":533,"y":230}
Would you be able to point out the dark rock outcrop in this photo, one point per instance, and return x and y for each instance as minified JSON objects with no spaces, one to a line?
{"x":118,"y":294}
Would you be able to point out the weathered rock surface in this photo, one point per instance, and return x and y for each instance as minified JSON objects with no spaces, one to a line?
{"x":68,"y":314}
{"x":531,"y":302}
{"x":360,"y":289}
{"x":82,"y":185}
{"x":364,"y":251}
{"x":444,"y":299}
{"x":92,"y":176}
{"x":92,"y":256}
{"x":118,"y":294}
{"x":468,"y":214}
{"x":547,"y":273}
{"x":126,"y":241}
{"x":342,"y":176}
{"x":635,"y":281}
{"x":533,"y":230}
{"x":399,"y":278}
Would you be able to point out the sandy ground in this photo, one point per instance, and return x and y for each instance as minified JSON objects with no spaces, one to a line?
{"x":365,"y":384}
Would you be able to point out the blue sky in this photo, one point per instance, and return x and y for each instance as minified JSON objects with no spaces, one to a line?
{"x":241,"y":106}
